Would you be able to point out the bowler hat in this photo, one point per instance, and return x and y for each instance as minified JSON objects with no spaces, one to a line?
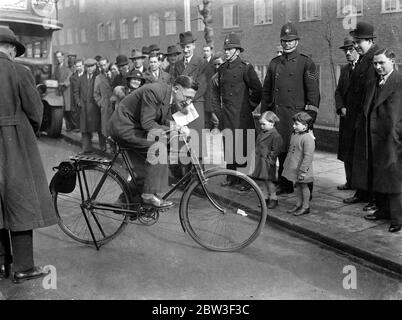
{"x":145,"y":50}
{"x":121,"y":60}
{"x":289,"y":32}
{"x":90,"y":62}
{"x":232,"y":41}
{"x":171,"y":50}
{"x":153,"y":47}
{"x":186,"y":38}
{"x":8,"y":36}
{"x":136,"y":74}
{"x":363,"y":30}
{"x":347,"y":43}
{"x":137,"y":55}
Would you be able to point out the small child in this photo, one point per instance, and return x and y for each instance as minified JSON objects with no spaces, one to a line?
{"x":298,"y":165}
{"x":268,"y":145}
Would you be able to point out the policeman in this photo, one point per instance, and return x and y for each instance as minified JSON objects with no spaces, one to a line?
{"x":236,"y":96}
{"x":290,"y":86}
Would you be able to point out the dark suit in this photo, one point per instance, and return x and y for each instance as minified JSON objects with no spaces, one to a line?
{"x":382,"y":111}
{"x":141,"y":116}
{"x":162,"y":77}
{"x":340,"y":97}
{"x":62,"y":74}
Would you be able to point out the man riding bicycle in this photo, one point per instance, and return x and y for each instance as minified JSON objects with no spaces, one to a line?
{"x":142,"y":119}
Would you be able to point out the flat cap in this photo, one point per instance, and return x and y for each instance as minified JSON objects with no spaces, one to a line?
{"x":89,"y":62}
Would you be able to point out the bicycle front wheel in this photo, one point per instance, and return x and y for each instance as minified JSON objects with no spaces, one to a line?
{"x":77,"y":218}
{"x":223,"y":218}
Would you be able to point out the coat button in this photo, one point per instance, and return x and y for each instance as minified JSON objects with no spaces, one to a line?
{"x":276,"y":89}
{"x":230,"y":94}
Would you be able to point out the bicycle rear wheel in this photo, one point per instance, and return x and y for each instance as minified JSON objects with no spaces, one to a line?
{"x":105,"y":224}
{"x":223,"y":218}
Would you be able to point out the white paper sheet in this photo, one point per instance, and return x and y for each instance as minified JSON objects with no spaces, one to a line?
{"x":184,"y":119}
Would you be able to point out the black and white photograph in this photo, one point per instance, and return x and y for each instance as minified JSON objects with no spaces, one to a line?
{"x":200,"y":156}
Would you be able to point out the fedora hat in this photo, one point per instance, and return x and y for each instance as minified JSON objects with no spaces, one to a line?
{"x":145,"y":50}
{"x":171,"y":50}
{"x":135,"y":74}
{"x":8,"y":36}
{"x":289,"y":32}
{"x":121,"y":60}
{"x":153,"y":47}
{"x":232,"y":41}
{"x":347,"y":43}
{"x":363,"y":30}
{"x":186,"y":38}
{"x":137,"y":55}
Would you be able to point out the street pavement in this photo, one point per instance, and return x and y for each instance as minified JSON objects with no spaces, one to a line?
{"x":330,"y":221}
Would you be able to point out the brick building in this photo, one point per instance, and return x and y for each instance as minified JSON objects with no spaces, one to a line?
{"x":109,"y":28}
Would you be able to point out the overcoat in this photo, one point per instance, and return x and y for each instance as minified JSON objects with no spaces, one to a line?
{"x":25,"y":200}
{"x":162,"y":77}
{"x":196,"y":70}
{"x":62,"y":74}
{"x":90,"y":115}
{"x":383,"y":114}
{"x":362,"y":74}
{"x":102,"y":94}
{"x":299,"y":159}
{"x":146,"y":108}
{"x":268,"y":146}
{"x":340,"y":97}
{"x":290,"y":85}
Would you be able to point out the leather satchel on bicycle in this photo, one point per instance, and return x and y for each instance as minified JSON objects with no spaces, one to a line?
{"x":64,"y":179}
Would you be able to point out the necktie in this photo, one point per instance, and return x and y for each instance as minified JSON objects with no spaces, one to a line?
{"x":381,"y":81}
{"x":185,"y":62}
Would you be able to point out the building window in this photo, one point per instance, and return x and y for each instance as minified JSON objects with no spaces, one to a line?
{"x":81,"y":5}
{"x":388,"y":6}
{"x":153,"y":25}
{"x":123,"y":29}
{"x":263,"y":11}
{"x":310,"y":10}
{"x":187,"y":15}
{"x":230,"y":16}
{"x":261,"y":70}
{"x":66,"y":3}
{"x":170,"y":22}
{"x":61,"y":37}
{"x":349,"y":8}
{"x":200,"y":23}
{"x":76,"y":36}
{"x":84,"y":36}
{"x":69,"y":36}
{"x":111,"y":30}
{"x":138,"y":33}
{"x":60,"y":4}
{"x":101,"y":32}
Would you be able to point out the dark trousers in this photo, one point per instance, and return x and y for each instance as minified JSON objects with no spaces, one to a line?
{"x":17,"y":247}
{"x":348,"y":172}
{"x":87,"y":141}
{"x":390,"y":206}
{"x":71,"y":120}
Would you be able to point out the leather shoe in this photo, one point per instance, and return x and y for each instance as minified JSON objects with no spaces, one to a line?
{"x":293,"y":209}
{"x":244,"y":187}
{"x":344,"y":187}
{"x":158,"y":202}
{"x":273,"y":204}
{"x":301,"y":212}
{"x":370,"y":206}
{"x":34,"y":273}
{"x":376,"y":215}
{"x":395,"y":228}
{"x":352,"y":200}
{"x":4,"y":271}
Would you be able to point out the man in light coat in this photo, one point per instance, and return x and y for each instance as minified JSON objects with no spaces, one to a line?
{"x":25,"y":200}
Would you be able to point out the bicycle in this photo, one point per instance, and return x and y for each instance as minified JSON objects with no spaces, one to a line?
{"x":102,"y":204}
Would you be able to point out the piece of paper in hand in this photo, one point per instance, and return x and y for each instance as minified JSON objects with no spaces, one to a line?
{"x":184,"y":119}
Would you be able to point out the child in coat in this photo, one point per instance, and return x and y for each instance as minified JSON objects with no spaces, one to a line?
{"x":268,"y":145}
{"x":298,"y":165}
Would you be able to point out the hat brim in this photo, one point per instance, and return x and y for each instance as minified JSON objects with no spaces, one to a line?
{"x":233,"y":47}
{"x":187,"y":42}
{"x":122,"y":64}
{"x":290,"y":38}
{"x":139,"y":57}
{"x":348,"y":46}
{"x":371,"y":36}
{"x":172,"y":53}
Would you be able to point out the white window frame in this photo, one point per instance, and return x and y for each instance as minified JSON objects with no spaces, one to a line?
{"x":228,"y":16}
{"x":111,"y":30}
{"x":343,"y":8}
{"x":200,"y":22}
{"x":309,"y":16}
{"x":123,"y":29}
{"x":187,"y":15}
{"x":69,"y":36}
{"x":81,"y":5}
{"x":62,"y":39}
{"x":138,"y":27}
{"x":263,"y":12}
{"x":60,"y":4}
{"x":66,"y":3}
{"x":154,"y":24}
{"x":383,"y":3}
{"x":101,"y":31}
{"x":84,"y":35}
{"x":170,"y":22}
{"x":76,"y":35}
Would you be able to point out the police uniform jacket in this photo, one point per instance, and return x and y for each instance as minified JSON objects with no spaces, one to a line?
{"x":290,"y":86}
{"x":340,"y":97}
{"x":25,"y":200}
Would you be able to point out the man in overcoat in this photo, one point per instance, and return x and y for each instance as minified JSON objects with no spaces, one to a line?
{"x":90,"y":115}
{"x":340,"y":104}
{"x":382,"y":111}
{"x":290,"y":86}
{"x":25,"y":200}
{"x":355,"y":143}
{"x":155,"y":73}
{"x":171,"y":56}
{"x":235,"y":98}
{"x":140,"y":120}
{"x":79,"y":71}
{"x":102,"y":94}
{"x":62,"y":74}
